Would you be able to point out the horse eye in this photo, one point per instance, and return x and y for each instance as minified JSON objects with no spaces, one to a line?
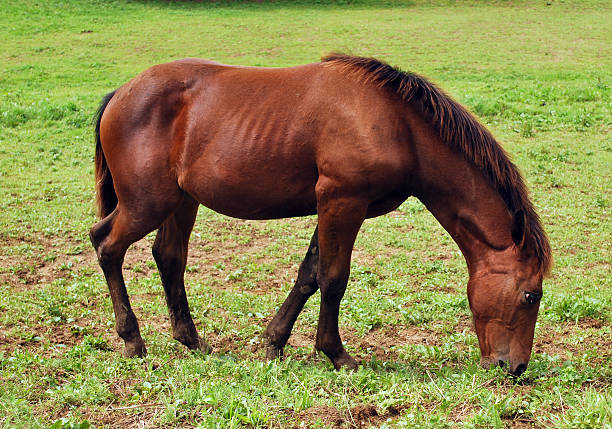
{"x":532,"y":297}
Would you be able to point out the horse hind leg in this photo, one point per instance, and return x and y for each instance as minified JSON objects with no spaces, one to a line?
{"x":111,"y":238}
{"x":278,"y":331}
{"x":170,"y":253}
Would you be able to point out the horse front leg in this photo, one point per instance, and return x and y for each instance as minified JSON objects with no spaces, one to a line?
{"x":278,"y":331}
{"x":339,"y":221}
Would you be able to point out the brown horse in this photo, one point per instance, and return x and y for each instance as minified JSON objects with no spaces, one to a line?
{"x":347,"y":138}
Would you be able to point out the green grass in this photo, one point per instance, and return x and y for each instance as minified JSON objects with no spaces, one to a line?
{"x":536,"y":72}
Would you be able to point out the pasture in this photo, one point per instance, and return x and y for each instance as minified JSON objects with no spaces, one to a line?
{"x":537,"y":73}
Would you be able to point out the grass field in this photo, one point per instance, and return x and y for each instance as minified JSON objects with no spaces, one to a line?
{"x":538,"y":73}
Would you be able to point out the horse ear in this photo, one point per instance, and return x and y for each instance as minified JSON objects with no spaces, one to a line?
{"x":518,"y":227}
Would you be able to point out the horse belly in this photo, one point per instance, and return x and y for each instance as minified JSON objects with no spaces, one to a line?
{"x":252,"y":190}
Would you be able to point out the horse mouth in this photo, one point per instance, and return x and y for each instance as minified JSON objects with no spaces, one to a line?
{"x":490,"y":362}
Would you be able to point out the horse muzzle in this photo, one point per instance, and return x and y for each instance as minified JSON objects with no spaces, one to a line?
{"x":516,"y":369}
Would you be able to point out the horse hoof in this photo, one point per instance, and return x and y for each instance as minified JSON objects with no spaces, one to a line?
{"x":134,"y":349}
{"x":345,"y":360}
{"x":203,"y":346}
{"x":274,"y":352}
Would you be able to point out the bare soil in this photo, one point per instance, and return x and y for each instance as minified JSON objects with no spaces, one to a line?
{"x":361,"y":416}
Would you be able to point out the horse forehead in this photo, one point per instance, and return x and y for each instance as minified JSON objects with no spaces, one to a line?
{"x":529,"y":266}
{"x":521,"y":263}
{"x":511,"y":270}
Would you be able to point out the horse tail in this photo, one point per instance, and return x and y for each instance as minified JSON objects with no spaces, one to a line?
{"x":106,"y":198}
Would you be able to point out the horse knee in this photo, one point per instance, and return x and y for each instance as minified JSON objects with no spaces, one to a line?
{"x":163,"y":255}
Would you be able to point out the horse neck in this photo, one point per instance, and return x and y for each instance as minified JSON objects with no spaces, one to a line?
{"x":462,"y":200}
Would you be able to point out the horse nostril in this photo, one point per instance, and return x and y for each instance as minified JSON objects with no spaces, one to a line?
{"x":520,"y":369}
{"x":501,"y":363}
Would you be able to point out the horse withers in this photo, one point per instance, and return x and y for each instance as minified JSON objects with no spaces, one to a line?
{"x":347,"y":138}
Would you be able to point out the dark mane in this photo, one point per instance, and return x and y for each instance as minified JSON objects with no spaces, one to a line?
{"x":460,"y":130}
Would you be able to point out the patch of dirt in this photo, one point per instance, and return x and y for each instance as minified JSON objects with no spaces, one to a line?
{"x":380,"y":342}
{"x":361,"y":416}
{"x":60,"y":258}
{"x":329,"y":416}
{"x":121,"y":387}
{"x":226,"y":344}
{"x":465,"y":323}
{"x":517,"y":422}
{"x":137,"y":417}
{"x":362,"y":257}
{"x":562,"y":341}
{"x":49,"y":340}
{"x":591,"y":323}
{"x":461,"y":412}
{"x":300,"y":339}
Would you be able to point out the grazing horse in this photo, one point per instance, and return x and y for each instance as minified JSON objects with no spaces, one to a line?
{"x":348,"y":138}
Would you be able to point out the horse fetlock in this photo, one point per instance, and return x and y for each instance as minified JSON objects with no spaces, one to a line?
{"x":338,"y":356}
{"x":187,"y":335}
{"x":126,"y":326}
{"x":273,"y":351}
{"x":332,"y":348}
{"x":276,"y":338}
{"x":276,"y":335}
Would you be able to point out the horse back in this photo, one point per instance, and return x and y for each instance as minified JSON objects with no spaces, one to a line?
{"x":252,"y":142}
